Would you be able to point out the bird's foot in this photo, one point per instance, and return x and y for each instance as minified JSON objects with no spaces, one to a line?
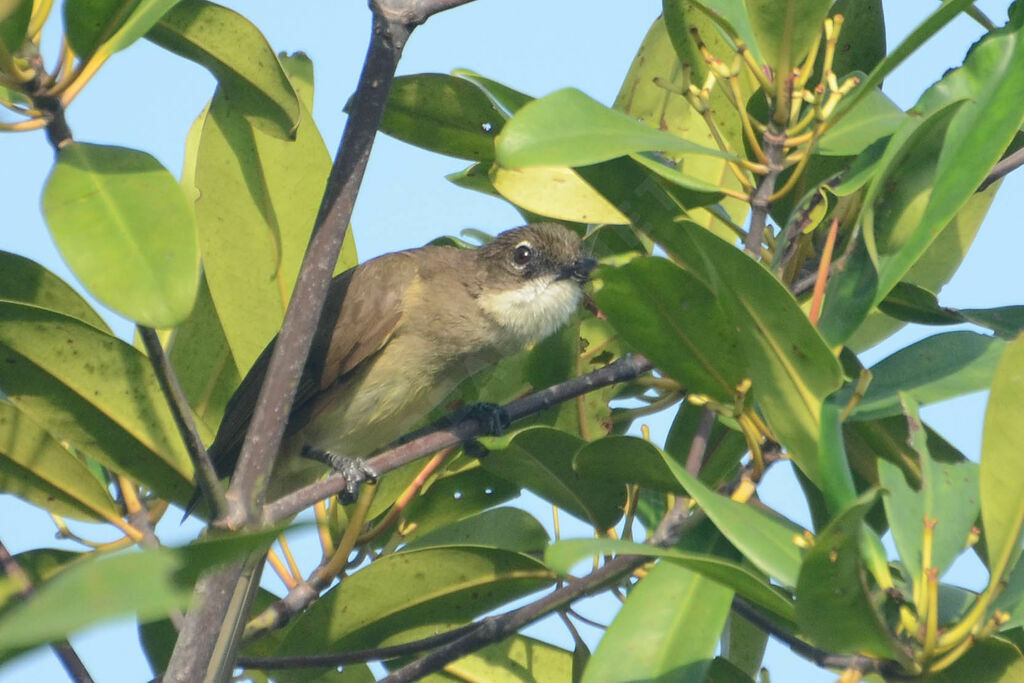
{"x":355,"y":471}
{"x":494,"y":418}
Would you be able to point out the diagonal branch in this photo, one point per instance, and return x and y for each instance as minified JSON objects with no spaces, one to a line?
{"x":626,"y":368}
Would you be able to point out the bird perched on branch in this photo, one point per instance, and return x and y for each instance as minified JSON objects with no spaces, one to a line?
{"x":397,"y":334}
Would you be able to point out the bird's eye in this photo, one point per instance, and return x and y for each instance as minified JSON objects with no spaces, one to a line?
{"x":522,"y":255}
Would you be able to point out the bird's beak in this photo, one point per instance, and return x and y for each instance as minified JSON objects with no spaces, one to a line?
{"x":579,"y":270}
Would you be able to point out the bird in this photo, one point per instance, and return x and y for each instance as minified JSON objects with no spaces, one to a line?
{"x":397,"y":335}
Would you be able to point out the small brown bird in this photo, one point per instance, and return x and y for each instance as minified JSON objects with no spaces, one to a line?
{"x":398,"y":334}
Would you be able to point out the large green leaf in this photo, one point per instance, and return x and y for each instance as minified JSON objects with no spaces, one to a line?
{"x":934,"y":369}
{"x":26,"y":282}
{"x":567,"y":128}
{"x":991,"y":80}
{"x":513,"y":660}
{"x":833,"y":606}
{"x":122,"y":224}
{"x":792,"y":368}
{"x":626,"y":460}
{"x":948,"y":494}
{"x":95,"y":392}
{"x":653,"y":635}
{"x":506,"y":528}
{"x":445,"y":114}
{"x":562,"y":555}
{"x":785,"y":30}
{"x":258,"y":200}
{"x":408,"y":595}
{"x":764,"y":539}
{"x":103,"y":27}
{"x":671,"y":317}
{"x":14,"y":19}
{"x":875,"y":117}
{"x":861,"y":43}
{"x":36,"y":467}
{"x":1002,"y":458}
{"x":555,"y":192}
{"x":540,"y":459}
{"x":239,"y":57}
{"x":915,"y":304}
{"x":148,"y":583}
{"x":650,"y":94}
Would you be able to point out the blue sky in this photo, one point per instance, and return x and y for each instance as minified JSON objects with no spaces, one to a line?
{"x":146,"y":98}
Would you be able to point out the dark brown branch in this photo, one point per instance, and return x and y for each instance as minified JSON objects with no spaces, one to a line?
{"x":626,"y":368}
{"x":887,"y":668}
{"x":206,"y":475}
{"x":699,"y":445}
{"x":760,"y":203}
{"x":1004,"y":166}
{"x":62,"y":648}
{"x":413,"y":12}
{"x":263,"y":440}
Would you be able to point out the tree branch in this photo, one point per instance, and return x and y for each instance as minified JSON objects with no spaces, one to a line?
{"x":887,"y":668}
{"x":759,"y":203}
{"x":1004,"y":166}
{"x":626,"y":368}
{"x":206,"y":475}
{"x":62,"y":648}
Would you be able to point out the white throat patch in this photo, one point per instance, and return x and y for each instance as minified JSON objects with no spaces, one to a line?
{"x":534,"y":310}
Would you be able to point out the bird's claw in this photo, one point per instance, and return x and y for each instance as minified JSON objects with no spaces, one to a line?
{"x":354,"y":470}
{"x":493,"y":417}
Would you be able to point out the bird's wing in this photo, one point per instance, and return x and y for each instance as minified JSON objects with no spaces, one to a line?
{"x":363,"y":308}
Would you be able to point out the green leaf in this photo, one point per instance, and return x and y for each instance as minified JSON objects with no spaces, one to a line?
{"x":504,"y":528}
{"x":202,"y":360}
{"x":258,"y":200}
{"x":148,"y":583}
{"x":874,"y":118}
{"x":95,"y":392}
{"x":743,"y":647}
{"x":934,"y":369}
{"x":122,"y":224}
{"x":567,"y":128}
{"x":836,"y":479}
{"x":932,"y":24}
{"x":456,"y":497}
{"x":653,"y":638}
{"x":948,"y":494}
{"x":1002,"y":454}
{"x":540,"y":459}
{"x":792,"y":368}
{"x":443,"y":114}
{"x":650,"y":94}
{"x":14,"y":19}
{"x":626,"y":460}
{"x":37,"y":468}
{"x":103,"y":27}
{"x":764,"y":539}
{"x":39,"y":565}
{"x":408,"y":595}
{"x":239,"y":57}
{"x":991,"y":79}
{"x":513,"y":660}
{"x":555,"y":192}
{"x":562,"y":555}
{"x":724,"y":671}
{"x":670,"y":316}
{"x":725,"y":446}
{"x":833,"y":606}
{"x":911,"y":303}
{"x":729,"y":16}
{"x":508,"y":100}
{"x":993,"y":660}
{"x":786,"y":30}
{"x":24,"y":281}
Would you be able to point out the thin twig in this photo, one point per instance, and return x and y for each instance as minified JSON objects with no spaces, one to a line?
{"x":699,"y":445}
{"x":624,"y":369}
{"x":1004,"y":166}
{"x":888,"y":668}
{"x":759,"y":203}
{"x":206,"y":475}
{"x":62,"y":648}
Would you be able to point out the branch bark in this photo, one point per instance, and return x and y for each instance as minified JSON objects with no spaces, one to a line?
{"x":759,"y":203}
